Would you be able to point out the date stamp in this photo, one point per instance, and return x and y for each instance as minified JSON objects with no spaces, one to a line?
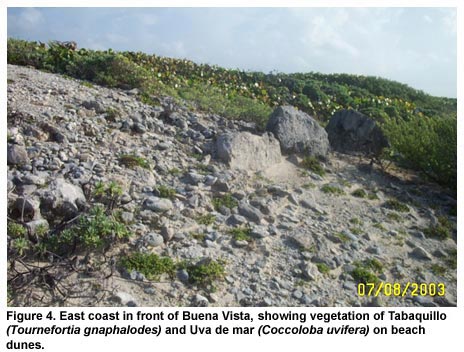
{"x":408,"y":289}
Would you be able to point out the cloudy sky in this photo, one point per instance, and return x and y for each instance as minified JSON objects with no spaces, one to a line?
{"x":416,"y":46}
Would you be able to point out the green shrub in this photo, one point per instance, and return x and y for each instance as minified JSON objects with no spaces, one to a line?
{"x":379,"y":226}
{"x":175,"y":171}
{"x":313,"y":164}
{"x":112,"y":114}
{"x":342,"y":237}
{"x":438,"y":270}
{"x":362,"y":275}
{"x":198,"y":236}
{"x":166,"y":192}
{"x":329,"y":189}
{"x":356,"y":231}
{"x":206,"y":219}
{"x":373,"y":264}
{"x":395,"y":217}
{"x":364,"y":271}
{"x":427,"y":144}
{"x":241,"y":234}
{"x":21,"y":52}
{"x":226,"y":200}
{"x":205,"y":272}
{"x":438,"y":231}
{"x":20,"y":245}
{"x":396,"y":205}
{"x":15,"y":230}
{"x":323,"y":268}
{"x":150,"y":265}
{"x":132,"y":161}
{"x":92,"y":231}
{"x":212,"y":99}
{"x":356,"y":221}
{"x":452,"y":260}
{"x":359,"y":193}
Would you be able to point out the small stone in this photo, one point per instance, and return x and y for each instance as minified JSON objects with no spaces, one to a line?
{"x":163,"y":146}
{"x":167,"y":233}
{"x":125,"y":298}
{"x":153,"y":239}
{"x":297,"y":294}
{"x":149,"y":290}
{"x":312,"y":205}
{"x":221,"y":186}
{"x":424,"y":301}
{"x":259,"y":232}
{"x":240,"y":243}
{"x":200,"y":301}
{"x":310,"y":271}
{"x":139,"y":128}
{"x":250,"y":212}
{"x":210,"y":180}
{"x":195,"y":178}
{"x":267,"y":302}
{"x":127,"y":217}
{"x":213,"y":298}
{"x":157,"y":204}
{"x":420,"y":253}
{"x":183,"y":275}
{"x":17,"y":155}
{"x":419,"y":234}
{"x":236,"y":219}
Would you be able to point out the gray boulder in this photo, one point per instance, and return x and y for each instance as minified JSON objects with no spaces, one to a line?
{"x":157,"y":204}
{"x":17,"y":155}
{"x":350,"y":131}
{"x":26,"y":208}
{"x":298,"y":132}
{"x":62,"y":198}
{"x":250,"y":212}
{"x":246,"y":151}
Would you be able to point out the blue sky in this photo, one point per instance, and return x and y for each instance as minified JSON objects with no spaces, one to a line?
{"x":416,"y":46}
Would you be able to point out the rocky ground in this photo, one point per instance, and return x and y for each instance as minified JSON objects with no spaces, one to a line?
{"x":65,"y":135}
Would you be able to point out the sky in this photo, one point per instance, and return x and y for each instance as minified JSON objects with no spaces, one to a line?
{"x":416,"y":46}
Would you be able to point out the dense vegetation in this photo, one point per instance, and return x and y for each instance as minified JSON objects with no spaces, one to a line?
{"x":421,"y":128}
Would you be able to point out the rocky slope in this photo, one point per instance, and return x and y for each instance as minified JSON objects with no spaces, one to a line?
{"x":305,"y":235}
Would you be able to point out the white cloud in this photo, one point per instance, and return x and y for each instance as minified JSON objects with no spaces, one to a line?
{"x":31,"y":17}
{"x":449,"y":21}
{"x":324,"y":35}
{"x":27,"y":20}
{"x":427,"y":19}
{"x":147,"y":19}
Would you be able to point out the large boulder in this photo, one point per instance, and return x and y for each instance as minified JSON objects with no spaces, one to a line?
{"x":353,"y":132}
{"x":62,"y":199}
{"x":298,"y":132}
{"x":17,"y":155}
{"x":246,"y":151}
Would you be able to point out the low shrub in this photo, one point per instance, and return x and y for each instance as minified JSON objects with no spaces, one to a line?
{"x":226,"y":200}
{"x":132,"y":161}
{"x":427,"y":144}
{"x":329,"y":189}
{"x":396,"y":205}
{"x":149,"y":264}
{"x":312,"y":164}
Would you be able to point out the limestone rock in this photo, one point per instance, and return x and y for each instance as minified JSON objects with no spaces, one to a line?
{"x":17,"y":155}
{"x":298,"y":132}
{"x":246,"y":151}
{"x":350,"y":131}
